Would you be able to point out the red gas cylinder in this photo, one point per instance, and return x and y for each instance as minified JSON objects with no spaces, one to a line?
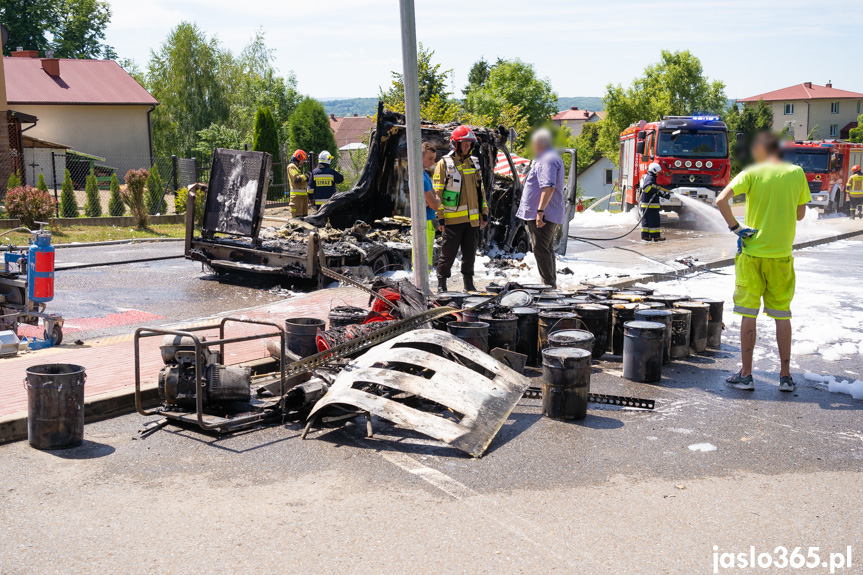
{"x":40,"y":268}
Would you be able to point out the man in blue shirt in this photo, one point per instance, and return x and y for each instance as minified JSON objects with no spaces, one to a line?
{"x":542,"y":205}
{"x":429,"y":155}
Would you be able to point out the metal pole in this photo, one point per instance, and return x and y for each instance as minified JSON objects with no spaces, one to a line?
{"x":54,"y":180}
{"x":412,"y":113}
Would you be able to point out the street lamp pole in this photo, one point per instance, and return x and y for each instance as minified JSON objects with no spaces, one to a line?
{"x":414,"y":139}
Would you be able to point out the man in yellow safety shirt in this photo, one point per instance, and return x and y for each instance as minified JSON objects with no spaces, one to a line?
{"x":457,"y":180}
{"x":854,"y":187}
{"x":299,"y":185}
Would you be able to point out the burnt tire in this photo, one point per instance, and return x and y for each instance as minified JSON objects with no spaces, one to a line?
{"x":521,"y":245}
{"x":380,"y":263}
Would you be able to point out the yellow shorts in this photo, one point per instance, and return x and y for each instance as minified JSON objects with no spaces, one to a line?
{"x":769,"y":278}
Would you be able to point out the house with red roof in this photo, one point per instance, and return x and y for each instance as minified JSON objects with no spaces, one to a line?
{"x":93,"y":107}
{"x":575,"y":119}
{"x":824,"y":111}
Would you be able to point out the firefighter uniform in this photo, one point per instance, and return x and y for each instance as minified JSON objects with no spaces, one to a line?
{"x":322,"y":184}
{"x":299,"y":191}
{"x":650,"y":219}
{"x":854,"y":187}
{"x":457,"y":183}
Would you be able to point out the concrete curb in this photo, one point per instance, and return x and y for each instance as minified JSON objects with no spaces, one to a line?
{"x":13,"y":427}
{"x":725,"y":262}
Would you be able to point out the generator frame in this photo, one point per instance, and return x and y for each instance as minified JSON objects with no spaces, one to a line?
{"x":206,"y":421}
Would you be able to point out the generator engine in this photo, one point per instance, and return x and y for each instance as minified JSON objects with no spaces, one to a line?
{"x":224,"y":384}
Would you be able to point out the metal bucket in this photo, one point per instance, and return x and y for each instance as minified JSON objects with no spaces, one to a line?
{"x":527,"y":320}
{"x":566,"y":382}
{"x":642,"y":351}
{"x":662,"y":316}
{"x":595,"y":319}
{"x":620,"y":314}
{"x":666,"y":300}
{"x":516,"y":298}
{"x":55,"y":405}
{"x":502,"y":330}
{"x":698,"y":324}
{"x":544,"y":306}
{"x":680,"y":320}
{"x":453,"y":298}
{"x":301,"y":334}
{"x":347,"y":315}
{"x":472,"y":332}
{"x":714,"y":321}
{"x":551,"y":321}
{"x":579,"y":338}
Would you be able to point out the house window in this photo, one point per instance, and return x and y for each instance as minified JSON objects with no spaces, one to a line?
{"x":834,"y":107}
{"x":789,"y":109}
{"x":609,"y":176}
{"x":834,"y":130}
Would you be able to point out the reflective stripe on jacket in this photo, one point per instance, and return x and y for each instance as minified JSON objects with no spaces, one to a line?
{"x":464,"y":180}
{"x":297,"y":180}
{"x":323,"y":183}
{"x":854,"y":187}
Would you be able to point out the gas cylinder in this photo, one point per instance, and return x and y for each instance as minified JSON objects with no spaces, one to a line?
{"x":40,"y":268}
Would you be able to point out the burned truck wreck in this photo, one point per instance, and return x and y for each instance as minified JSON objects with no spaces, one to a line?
{"x":365,"y":226}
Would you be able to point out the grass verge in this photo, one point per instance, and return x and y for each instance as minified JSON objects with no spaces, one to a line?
{"x":86,"y":234}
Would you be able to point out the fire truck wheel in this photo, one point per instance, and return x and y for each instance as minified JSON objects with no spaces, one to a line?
{"x":56,"y":335}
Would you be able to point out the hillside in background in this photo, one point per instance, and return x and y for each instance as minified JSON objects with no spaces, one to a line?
{"x":592,"y":103}
{"x":368,"y":106}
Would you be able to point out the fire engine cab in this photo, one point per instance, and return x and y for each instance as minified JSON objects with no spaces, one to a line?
{"x":693,"y":153}
{"x":825,"y":163}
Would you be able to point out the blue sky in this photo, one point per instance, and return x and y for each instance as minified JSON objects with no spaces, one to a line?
{"x":346,"y":48}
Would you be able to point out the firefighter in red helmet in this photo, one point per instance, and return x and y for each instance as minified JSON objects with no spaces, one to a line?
{"x":854,"y":187}
{"x":299,"y":185}
{"x":457,"y":180}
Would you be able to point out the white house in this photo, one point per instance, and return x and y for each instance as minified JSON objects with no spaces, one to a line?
{"x":575,"y":119}
{"x":597,"y":180}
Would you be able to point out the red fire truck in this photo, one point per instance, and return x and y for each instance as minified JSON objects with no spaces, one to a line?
{"x":693,"y":153}
{"x":824,"y":163}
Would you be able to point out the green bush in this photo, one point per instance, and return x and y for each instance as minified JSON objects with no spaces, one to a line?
{"x":93,"y":207}
{"x":68,"y":202}
{"x":133,"y":196}
{"x":30,"y":205}
{"x":14,"y":181}
{"x":180,"y":204}
{"x":40,"y":183}
{"x":155,"y":193}
{"x":115,"y":203}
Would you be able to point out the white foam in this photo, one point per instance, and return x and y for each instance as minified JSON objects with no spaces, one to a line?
{"x":702,"y":447}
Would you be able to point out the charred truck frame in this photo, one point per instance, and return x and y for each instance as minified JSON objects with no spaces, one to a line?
{"x":231,"y":240}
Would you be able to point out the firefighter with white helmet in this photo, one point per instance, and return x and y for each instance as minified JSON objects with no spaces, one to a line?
{"x":650,"y":206}
{"x":457,"y":181}
{"x":854,"y":187}
{"x":323,"y":181}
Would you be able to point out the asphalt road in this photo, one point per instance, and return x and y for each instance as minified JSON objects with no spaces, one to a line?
{"x":622,"y":491}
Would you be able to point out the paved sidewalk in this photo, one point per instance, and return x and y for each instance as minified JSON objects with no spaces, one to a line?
{"x":110,"y":362}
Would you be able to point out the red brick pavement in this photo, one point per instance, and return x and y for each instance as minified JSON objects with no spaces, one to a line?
{"x":110,"y":363}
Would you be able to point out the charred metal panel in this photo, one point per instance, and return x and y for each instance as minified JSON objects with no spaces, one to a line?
{"x":238,"y":182}
{"x":476,"y":391}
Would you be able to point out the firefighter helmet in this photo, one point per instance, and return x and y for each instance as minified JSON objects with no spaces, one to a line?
{"x":462,"y":134}
{"x":855,"y":169}
{"x":654,"y":168}
{"x":325,"y":157}
{"x":300,"y":156}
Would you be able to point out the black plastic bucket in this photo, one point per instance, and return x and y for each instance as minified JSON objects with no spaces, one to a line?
{"x":55,"y":405}
{"x":301,"y":334}
{"x":527,"y":321}
{"x":551,"y":321}
{"x":680,"y":320}
{"x":579,"y":338}
{"x":502,"y":330}
{"x":472,"y":332}
{"x":714,"y":321}
{"x":594,"y":318}
{"x":620,"y":314}
{"x":566,"y":382}
{"x":662,"y":316}
{"x":698,"y":324}
{"x":642,"y":351}
{"x":347,"y":315}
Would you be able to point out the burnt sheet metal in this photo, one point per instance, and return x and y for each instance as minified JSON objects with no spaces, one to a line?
{"x":238,"y":182}
{"x":478,"y":390}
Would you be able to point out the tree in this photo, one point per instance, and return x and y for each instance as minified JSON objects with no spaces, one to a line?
{"x":748,"y":121}
{"x":115,"y":203}
{"x":675,"y":86}
{"x":14,"y":181}
{"x":587,"y":144}
{"x":187,"y":76}
{"x":217,"y":136}
{"x":477,"y":76}
{"x":432,"y":82}
{"x":513,"y":83}
{"x":267,"y":140}
{"x":27,"y":22}
{"x":40,"y":183}
{"x":310,"y":129}
{"x":30,"y":205}
{"x":68,"y":202}
{"x":155,"y":192}
{"x":93,"y":207}
{"x":133,"y":196}
{"x":856,"y":134}
{"x":79,"y":28}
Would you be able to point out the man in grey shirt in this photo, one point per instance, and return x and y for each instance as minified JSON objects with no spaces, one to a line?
{"x":542,"y":205}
